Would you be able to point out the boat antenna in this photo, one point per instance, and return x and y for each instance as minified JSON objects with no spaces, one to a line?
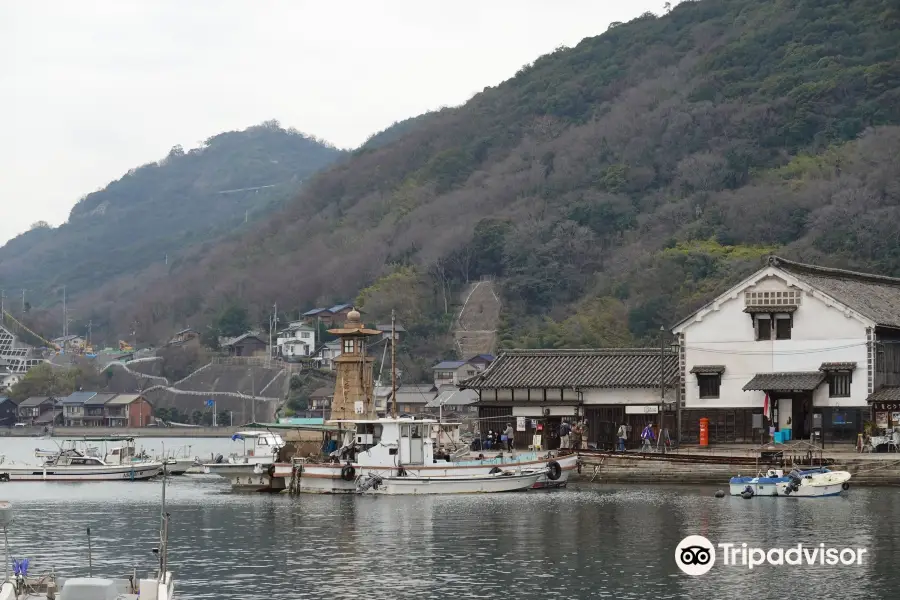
{"x":90,"y":562}
{"x":393,"y":364}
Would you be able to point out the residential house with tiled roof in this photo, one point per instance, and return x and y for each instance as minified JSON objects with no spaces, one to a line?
{"x":8,"y":411}
{"x":32,"y":408}
{"x":811,"y":346}
{"x":605,"y":387}
{"x":73,"y":408}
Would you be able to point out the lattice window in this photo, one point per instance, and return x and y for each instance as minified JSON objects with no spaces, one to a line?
{"x":783,"y":298}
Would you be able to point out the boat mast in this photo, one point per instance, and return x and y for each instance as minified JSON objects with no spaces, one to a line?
{"x":393,"y":364}
{"x":163,"y":530}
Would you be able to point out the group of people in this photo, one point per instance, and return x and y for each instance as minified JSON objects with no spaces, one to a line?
{"x":499,"y":440}
{"x":648,"y":436}
{"x":573,"y":436}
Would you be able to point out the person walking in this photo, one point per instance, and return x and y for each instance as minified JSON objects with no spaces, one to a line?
{"x":647,"y":437}
{"x":564,"y":431}
{"x":509,"y":433}
{"x":622,"y":435}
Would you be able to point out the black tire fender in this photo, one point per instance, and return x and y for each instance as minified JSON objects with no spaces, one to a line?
{"x":844,"y":486}
{"x":495,"y":470}
{"x":348,"y":473}
{"x":271,"y":471}
{"x":554,"y":470}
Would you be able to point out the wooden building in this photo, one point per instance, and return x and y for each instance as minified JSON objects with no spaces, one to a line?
{"x":605,"y":387}
{"x":354,"y":387}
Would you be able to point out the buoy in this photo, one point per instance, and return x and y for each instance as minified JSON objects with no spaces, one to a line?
{"x":720,"y":494}
{"x":746,"y":495}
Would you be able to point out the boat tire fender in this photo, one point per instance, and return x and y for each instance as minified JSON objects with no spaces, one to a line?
{"x":554,"y":470}
{"x":844,"y":486}
{"x":348,"y":473}
{"x":5,"y":477}
{"x":495,"y":470}
{"x":271,"y":471}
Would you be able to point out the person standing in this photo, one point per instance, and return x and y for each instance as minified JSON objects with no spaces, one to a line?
{"x":564,"y":430}
{"x":509,"y":432}
{"x":622,"y":434}
{"x":577,"y":435}
{"x":647,"y":436}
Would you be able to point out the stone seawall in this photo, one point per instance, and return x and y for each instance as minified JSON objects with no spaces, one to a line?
{"x":874,"y":470}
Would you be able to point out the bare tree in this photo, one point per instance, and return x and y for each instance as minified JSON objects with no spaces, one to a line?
{"x":438,"y":271}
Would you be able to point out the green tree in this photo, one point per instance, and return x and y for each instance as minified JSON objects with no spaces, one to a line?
{"x":233,"y":321}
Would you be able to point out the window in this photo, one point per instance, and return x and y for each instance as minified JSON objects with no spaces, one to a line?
{"x":348,"y":346}
{"x":305,"y":335}
{"x":839,"y":384}
{"x":783,"y":329}
{"x":763,"y":328}
{"x":709,"y":385}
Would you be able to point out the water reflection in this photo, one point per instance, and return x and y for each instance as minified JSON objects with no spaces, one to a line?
{"x":598,"y":542}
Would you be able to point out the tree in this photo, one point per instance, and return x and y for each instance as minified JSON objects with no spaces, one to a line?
{"x":39,"y":225}
{"x":233,"y":321}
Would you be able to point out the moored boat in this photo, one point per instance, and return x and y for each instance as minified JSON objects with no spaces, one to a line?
{"x":254,"y":469}
{"x":491,"y":483}
{"x":806,"y":483}
{"x":72,"y":462}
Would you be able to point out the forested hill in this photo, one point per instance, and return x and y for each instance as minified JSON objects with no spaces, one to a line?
{"x":162,"y":208}
{"x":608,"y":188}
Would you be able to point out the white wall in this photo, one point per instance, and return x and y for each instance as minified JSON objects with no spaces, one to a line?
{"x":726,"y":336}
{"x":625,"y":396}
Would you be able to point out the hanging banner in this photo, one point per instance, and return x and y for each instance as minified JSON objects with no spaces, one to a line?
{"x":520,"y":423}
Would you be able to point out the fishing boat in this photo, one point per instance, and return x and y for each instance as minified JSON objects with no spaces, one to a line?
{"x":23,"y":585}
{"x":254,"y":468}
{"x":491,"y":483}
{"x":806,"y":483}
{"x":179,"y":460}
{"x":73,"y":462}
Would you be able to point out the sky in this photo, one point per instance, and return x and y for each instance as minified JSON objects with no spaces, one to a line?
{"x":91,"y":89}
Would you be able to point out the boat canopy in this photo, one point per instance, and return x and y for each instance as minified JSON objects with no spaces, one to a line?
{"x":285,"y":426}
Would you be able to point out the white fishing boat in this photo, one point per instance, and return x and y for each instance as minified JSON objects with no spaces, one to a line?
{"x":491,"y":483}
{"x":72,"y":462}
{"x":254,"y":468}
{"x":23,"y":585}
{"x":179,"y":460}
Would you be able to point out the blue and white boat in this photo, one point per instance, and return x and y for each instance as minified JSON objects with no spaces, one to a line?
{"x":808,"y":483}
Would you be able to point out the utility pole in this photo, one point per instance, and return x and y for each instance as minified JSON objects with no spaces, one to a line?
{"x":662,"y":380}
{"x":23,"y":301}
{"x":393,"y":364}
{"x":65,"y":315}
{"x":252,"y":397}
{"x":90,"y":326}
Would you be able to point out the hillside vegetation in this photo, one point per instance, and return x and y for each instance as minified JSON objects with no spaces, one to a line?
{"x":157,"y":211}
{"x":608,"y":188}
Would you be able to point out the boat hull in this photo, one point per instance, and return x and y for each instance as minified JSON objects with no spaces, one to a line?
{"x":332,"y":479}
{"x":179,"y":466}
{"x":248,"y":477}
{"x":470,"y":484}
{"x":135,"y":472}
{"x":813,"y":484}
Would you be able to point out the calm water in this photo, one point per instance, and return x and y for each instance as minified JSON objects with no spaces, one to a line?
{"x":592,"y":542}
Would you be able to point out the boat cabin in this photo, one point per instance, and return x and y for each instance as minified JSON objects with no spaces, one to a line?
{"x":403,"y":441}
{"x":259,"y":443}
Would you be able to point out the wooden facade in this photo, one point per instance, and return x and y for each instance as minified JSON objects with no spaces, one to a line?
{"x":354,"y":387}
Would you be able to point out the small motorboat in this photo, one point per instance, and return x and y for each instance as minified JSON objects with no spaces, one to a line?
{"x":72,"y":462}
{"x":810,"y":482}
{"x":502,"y":481}
{"x":254,"y":469}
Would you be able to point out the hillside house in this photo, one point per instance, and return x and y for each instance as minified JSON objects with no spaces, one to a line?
{"x":73,"y":408}
{"x":298,"y":340}
{"x":452,"y":372}
{"x":386,"y":332}
{"x":183,"y":337}
{"x":31,"y":409}
{"x":328,"y":316}
{"x":8,"y":412}
{"x":325,"y":355}
{"x":72,"y":343}
{"x":248,"y":344}
{"x":7,"y":380}
{"x":128,"y":410}
{"x":605,"y":387}
{"x":817,"y":342}
{"x":412,"y":398}
{"x":452,"y":401}
{"x":320,"y":400}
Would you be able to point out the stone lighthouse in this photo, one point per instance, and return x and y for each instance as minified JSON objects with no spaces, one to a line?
{"x":354,"y":396}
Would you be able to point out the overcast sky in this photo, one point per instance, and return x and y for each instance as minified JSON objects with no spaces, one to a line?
{"x":90,"y":89}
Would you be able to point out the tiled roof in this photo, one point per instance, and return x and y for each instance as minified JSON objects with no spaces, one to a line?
{"x":339,"y":307}
{"x":78,"y":397}
{"x":885,"y":394}
{"x":314,"y":312}
{"x":99,"y":399}
{"x":874,"y":296}
{"x":711,"y":369}
{"x":604,"y":368}
{"x":34,"y":401}
{"x":785,"y":382}
{"x":449,"y":364}
{"x":325,"y":391}
{"x":838,"y":366}
{"x":48,"y":417}
{"x":124,"y":399}
{"x":240,"y":338}
{"x":454,"y":398}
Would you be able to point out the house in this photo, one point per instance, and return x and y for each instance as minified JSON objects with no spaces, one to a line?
{"x":605,"y":387}
{"x":94,"y":410}
{"x":320,"y":400}
{"x":412,"y":398}
{"x":8,"y":412}
{"x":326,"y":354}
{"x":297,"y":341}
{"x":128,"y":410}
{"x":183,"y":337}
{"x":454,"y":401}
{"x":70,"y":342}
{"x":481,"y":361}
{"x":7,"y":380}
{"x":248,"y":344}
{"x":329,"y":316}
{"x":73,"y":408}
{"x":452,"y":372}
{"x":34,"y":407}
{"x":811,"y":346}
{"x":386,"y":331}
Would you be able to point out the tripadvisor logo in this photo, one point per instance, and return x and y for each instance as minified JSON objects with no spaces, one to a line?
{"x":696,"y":555}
